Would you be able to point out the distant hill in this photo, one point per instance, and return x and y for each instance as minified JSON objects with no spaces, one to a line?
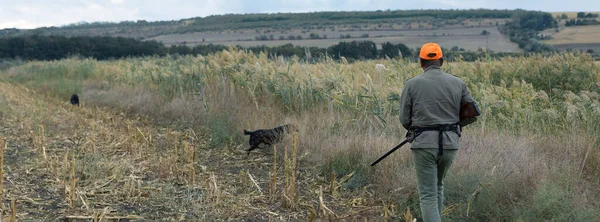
{"x":132,"y":29}
{"x":473,"y":30}
{"x":277,"y":21}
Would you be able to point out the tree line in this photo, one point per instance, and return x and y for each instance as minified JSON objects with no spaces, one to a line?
{"x":524,"y":30}
{"x":588,"y":15}
{"x":285,"y":21}
{"x":277,"y":21}
{"x":581,"y":22}
{"x":104,"y":48}
{"x":355,"y":50}
{"x":59,"y":47}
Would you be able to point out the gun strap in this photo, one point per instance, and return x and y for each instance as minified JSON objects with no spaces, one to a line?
{"x":441,"y":129}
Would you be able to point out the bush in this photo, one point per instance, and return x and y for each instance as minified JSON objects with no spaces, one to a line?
{"x":223,"y":132}
{"x":344,"y":163}
{"x":552,"y":202}
{"x":6,"y":64}
{"x":480,"y":195}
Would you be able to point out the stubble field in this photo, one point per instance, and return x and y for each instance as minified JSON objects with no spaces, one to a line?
{"x":161,"y":139}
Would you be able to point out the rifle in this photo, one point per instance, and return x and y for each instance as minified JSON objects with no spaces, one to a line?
{"x":468,"y":114}
{"x":390,"y":152}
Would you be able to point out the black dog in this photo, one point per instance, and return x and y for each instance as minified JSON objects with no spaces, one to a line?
{"x":75,"y":100}
{"x":268,"y":136}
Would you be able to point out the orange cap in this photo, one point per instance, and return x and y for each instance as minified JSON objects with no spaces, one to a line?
{"x":431,"y":51}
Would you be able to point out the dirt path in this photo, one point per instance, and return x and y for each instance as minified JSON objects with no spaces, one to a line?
{"x":129,"y":168}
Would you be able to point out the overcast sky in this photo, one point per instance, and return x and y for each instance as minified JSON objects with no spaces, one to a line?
{"x":37,"y":13}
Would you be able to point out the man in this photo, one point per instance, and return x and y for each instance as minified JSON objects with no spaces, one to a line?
{"x":430,"y":106}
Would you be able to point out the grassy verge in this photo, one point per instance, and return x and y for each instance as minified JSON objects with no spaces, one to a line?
{"x":540,"y":119}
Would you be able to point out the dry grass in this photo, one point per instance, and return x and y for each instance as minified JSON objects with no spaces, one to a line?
{"x":571,"y":15}
{"x":101,"y":163}
{"x":345,"y":117}
{"x":576,"y":35}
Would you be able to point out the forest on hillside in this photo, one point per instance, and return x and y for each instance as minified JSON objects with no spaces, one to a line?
{"x":277,"y":21}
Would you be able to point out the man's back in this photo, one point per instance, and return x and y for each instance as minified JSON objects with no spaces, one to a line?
{"x":433,"y":98}
{"x":430,"y":108}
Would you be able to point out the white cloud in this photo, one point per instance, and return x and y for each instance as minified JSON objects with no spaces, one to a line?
{"x":26,"y":9}
{"x":117,"y":2}
{"x":22,"y":15}
{"x":22,"y":24}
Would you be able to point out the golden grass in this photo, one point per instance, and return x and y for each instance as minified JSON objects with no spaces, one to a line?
{"x":13,"y":211}
{"x":345,"y":116}
{"x":102,"y":136}
{"x":576,"y":35}
{"x":273,"y":185}
{"x":72,"y":188}
{"x":571,"y":15}
{"x":2,"y":150}
{"x":290,"y":162}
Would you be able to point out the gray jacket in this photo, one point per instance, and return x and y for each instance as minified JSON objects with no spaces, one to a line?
{"x":431,"y":98}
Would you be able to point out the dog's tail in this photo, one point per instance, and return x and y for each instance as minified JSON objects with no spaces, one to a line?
{"x":246,"y":132}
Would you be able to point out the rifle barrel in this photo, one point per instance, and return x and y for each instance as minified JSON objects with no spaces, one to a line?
{"x":389,"y":152}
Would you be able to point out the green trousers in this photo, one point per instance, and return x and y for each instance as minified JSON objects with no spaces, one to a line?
{"x":431,"y":170}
